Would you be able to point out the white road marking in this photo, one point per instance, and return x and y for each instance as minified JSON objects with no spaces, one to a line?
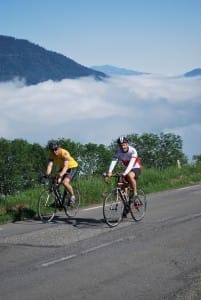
{"x":91,"y":208}
{"x":101,"y":246}
{"x":185,"y":188}
{"x":58,"y":260}
{"x":50,"y":263}
{"x":184,"y":218}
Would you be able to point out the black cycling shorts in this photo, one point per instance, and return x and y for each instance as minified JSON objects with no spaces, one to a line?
{"x":70,"y":173}
{"x":137,"y":172}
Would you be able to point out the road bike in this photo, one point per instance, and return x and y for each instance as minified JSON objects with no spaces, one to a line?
{"x":120,"y":200}
{"x":53,"y":198}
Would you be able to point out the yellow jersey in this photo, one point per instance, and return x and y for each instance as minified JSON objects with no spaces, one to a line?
{"x":62,"y":156}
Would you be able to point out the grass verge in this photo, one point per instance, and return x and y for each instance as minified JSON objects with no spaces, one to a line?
{"x":23,"y":205}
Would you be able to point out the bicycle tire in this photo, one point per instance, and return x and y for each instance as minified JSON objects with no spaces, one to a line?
{"x":113,"y":207}
{"x":138,"y":206}
{"x":46,"y":206}
{"x":71,"y":209}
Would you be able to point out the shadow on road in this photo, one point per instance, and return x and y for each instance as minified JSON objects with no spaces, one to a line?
{"x":79,"y":222}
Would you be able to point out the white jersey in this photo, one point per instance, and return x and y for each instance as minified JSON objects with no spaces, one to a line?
{"x":129,"y":159}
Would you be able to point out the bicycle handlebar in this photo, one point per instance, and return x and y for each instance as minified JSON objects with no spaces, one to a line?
{"x":49,"y":178}
{"x":119,"y":176}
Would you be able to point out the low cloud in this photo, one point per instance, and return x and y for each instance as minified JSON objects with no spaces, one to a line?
{"x":86,"y":110}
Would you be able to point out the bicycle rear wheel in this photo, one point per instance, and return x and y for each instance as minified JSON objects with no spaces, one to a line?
{"x":46,"y":206}
{"x":113,"y":208}
{"x":71,"y":209}
{"x":138,"y":206}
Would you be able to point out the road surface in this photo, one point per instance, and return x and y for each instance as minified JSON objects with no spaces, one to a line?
{"x":82,"y":258}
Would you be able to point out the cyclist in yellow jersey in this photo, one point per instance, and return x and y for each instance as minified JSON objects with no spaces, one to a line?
{"x":65,"y":162}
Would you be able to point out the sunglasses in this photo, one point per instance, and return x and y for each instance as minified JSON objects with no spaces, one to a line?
{"x":55,"y":149}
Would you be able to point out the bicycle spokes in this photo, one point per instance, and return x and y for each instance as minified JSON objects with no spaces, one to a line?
{"x":138,"y":207}
{"x":71,"y":207}
{"x":46,"y":206}
{"x":112,"y":209}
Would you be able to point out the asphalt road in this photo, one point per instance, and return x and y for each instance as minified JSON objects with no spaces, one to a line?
{"x":82,"y":258}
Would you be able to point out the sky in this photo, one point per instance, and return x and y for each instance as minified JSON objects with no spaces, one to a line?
{"x":160,"y":37}
{"x":156,"y":36}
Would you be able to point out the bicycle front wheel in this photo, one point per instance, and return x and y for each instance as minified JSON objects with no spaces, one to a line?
{"x":138,"y":206}
{"x":71,"y":208}
{"x":46,"y":206}
{"x":113,"y":208}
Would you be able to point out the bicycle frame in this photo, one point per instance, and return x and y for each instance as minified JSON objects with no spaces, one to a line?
{"x":58,"y":195}
{"x":122,"y":187}
{"x":52,"y":198}
{"x":122,"y":193}
{"x":120,"y":199}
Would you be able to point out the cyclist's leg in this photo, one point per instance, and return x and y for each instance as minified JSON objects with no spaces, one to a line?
{"x":132,"y":177}
{"x":67,"y":178}
{"x":126,"y":191}
{"x":137,"y":172}
{"x":71,"y":195}
{"x":132,"y":181}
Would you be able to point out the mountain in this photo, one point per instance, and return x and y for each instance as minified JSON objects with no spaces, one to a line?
{"x":192,"y":73}
{"x":25,"y":60}
{"x":111,"y":70}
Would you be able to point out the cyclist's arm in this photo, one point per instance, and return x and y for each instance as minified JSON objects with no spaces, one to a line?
{"x":49,"y":167}
{"x":112,"y":165}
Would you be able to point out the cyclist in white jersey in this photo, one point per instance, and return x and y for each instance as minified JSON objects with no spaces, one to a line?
{"x":129,"y":157}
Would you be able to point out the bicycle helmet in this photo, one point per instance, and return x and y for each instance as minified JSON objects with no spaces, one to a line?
{"x":122,"y":139}
{"x":53,"y":145}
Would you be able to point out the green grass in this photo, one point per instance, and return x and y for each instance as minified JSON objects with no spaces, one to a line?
{"x":19,"y":206}
{"x":23,"y":205}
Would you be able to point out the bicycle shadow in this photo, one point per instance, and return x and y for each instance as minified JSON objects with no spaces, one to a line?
{"x":80,"y":222}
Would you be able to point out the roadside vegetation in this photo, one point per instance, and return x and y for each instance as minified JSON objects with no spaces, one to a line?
{"x":22,"y":164}
{"x":23,"y":205}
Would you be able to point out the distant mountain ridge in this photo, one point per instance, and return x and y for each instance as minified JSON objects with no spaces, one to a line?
{"x":22,"y":59}
{"x":192,"y":73}
{"x":115,"y":71}
{"x":112,"y":70}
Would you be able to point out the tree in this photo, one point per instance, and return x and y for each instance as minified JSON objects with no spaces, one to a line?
{"x":170,"y":150}
{"x":94,"y":159}
{"x":5,"y":175}
{"x":20,"y":164}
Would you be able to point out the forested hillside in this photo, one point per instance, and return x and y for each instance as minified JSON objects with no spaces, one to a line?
{"x":25,"y":60}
